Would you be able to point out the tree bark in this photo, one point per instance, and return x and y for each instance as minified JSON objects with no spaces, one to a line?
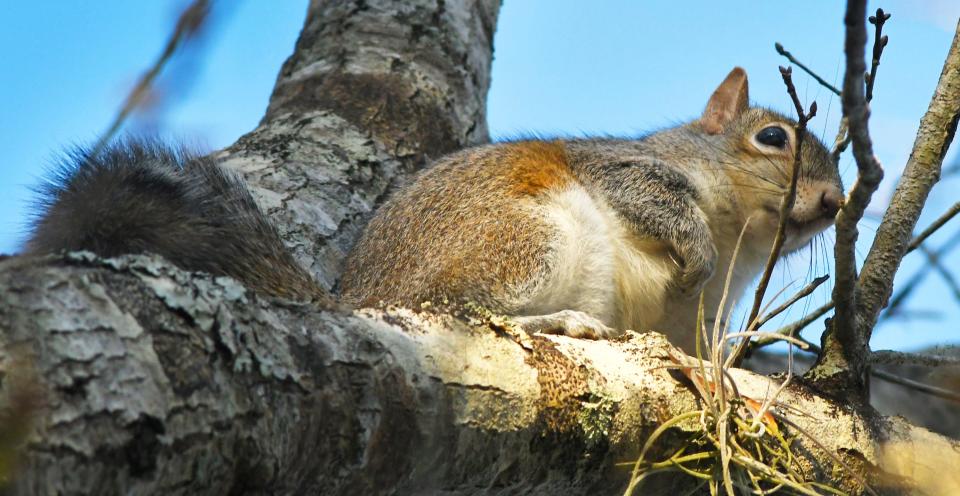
{"x":159,"y":381}
{"x":373,"y":90}
{"x":164,"y":382}
{"x":922,"y":171}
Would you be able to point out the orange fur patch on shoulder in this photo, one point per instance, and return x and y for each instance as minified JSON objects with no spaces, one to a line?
{"x":538,"y":166}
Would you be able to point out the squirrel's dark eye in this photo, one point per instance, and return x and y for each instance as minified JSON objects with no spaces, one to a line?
{"x":773,"y":136}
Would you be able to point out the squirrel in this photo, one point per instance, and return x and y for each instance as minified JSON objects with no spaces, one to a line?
{"x":583,"y":237}
{"x":589,"y":237}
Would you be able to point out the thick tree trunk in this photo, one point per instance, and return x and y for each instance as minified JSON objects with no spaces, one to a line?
{"x":374,"y":89}
{"x":158,"y":381}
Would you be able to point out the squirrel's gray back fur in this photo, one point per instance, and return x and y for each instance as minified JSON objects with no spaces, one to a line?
{"x":141,"y":196}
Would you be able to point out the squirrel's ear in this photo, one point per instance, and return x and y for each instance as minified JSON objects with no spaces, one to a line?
{"x":727,"y":102}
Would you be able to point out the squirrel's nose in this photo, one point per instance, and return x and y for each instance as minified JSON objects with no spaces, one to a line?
{"x":830,"y":202}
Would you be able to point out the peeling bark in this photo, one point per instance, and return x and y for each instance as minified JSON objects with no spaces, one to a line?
{"x":159,"y":381}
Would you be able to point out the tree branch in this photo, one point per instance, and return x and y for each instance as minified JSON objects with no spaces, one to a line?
{"x":842,"y":140}
{"x":794,"y":328}
{"x":922,"y":171}
{"x":934,"y":226}
{"x":159,"y":381}
{"x":890,"y":357}
{"x":948,"y":278}
{"x":373,"y":90}
{"x":789,"y":197}
{"x":803,"y":293}
{"x":917,"y":386}
{"x":151,"y":372}
{"x":793,"y":60}
{"x":845,"y":347}
{"x":879,"y":43}
{"x":907,"y":288}
{"x":190,"y":22}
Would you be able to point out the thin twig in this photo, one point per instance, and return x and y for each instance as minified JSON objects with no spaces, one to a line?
{"x":188,"y":24}
{"x":886,"y":357}
{"x":918,"y":386}
{"x":945,"y":274}
{"x":751,"y":334}
{"x":907,"y":288}
{"x":814,"y":75}
{"x":890,"y":357}
{"x":786,"y":205}
{"x":914,"y":281}
{"x":803,"y":293}
{"x":794,"y":328}
{"x":932,"y":228}
{"x":879,"y":42}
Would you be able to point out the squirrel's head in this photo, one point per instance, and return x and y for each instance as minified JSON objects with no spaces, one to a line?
{"x":759,"y":148}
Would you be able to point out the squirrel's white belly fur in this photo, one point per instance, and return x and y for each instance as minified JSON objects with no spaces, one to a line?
{"x":602,"y":269}
{"x":621,"y":279}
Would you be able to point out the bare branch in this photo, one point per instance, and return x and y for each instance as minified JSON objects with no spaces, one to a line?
{"x":775,"y":336}
{"x":803,"y":293}
{"x":189,"y":24}
{"x":945,"y":274}
{"x":261,"y":394}
{"x":890,"y":357}
{"x":842,"y":332}
{"x":794,"y":328}
{"x":870,"y":171}
{"x":907,"y":288}
{"x":887,"y":357}
{"x":893,"y":239}
{"x":841,"y":142}
{"x":814,"y":75}
{"x":932,"y":228}
{"x":879,"y":42}
{"x":918,"y":277}
{"x":786,"y":204}
{"x":917,"y":386}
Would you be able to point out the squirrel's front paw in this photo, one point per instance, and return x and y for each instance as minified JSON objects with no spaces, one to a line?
{"x":696,"y":268}
{"x":571,"y":323}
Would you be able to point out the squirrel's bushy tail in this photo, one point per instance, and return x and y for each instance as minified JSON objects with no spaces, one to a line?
{"x":142,"y":196}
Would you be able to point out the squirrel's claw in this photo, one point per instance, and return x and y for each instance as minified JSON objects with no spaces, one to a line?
{"x":696,"y":268}
{"x":571,"y":323}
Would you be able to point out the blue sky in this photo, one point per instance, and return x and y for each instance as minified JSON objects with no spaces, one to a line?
{"x":561,"y":67}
